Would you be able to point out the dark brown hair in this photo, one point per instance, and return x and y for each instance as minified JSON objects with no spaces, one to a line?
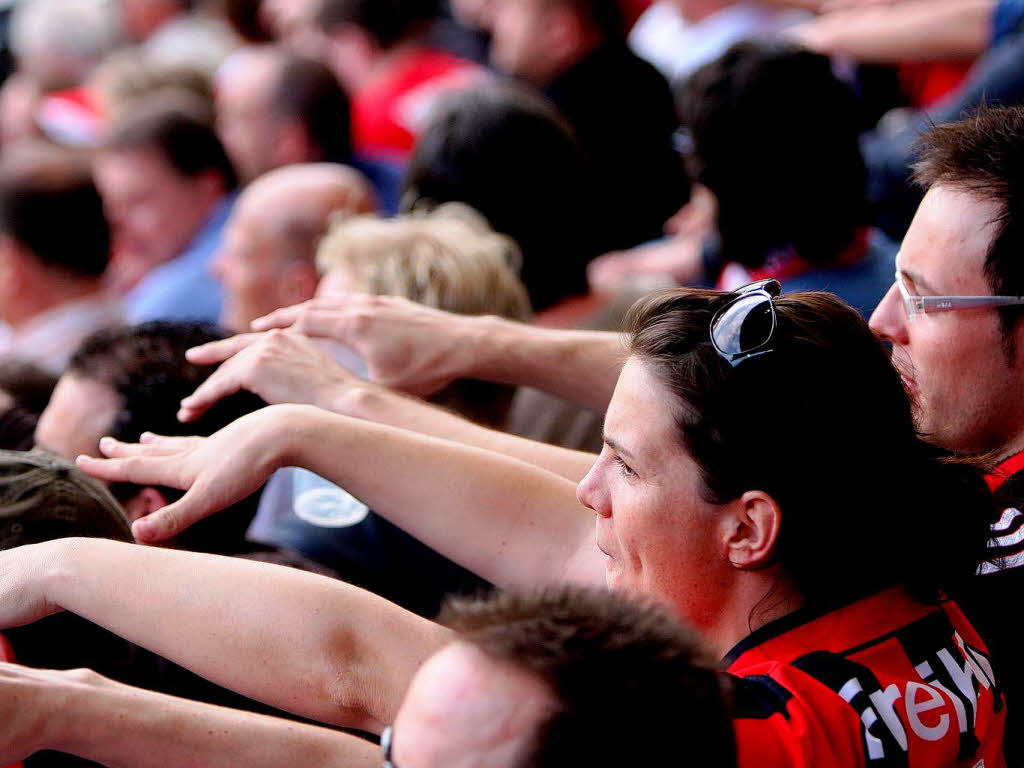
{"x":823,"y":425}
{"x":631,"y":684}
{"x":983,"y":154}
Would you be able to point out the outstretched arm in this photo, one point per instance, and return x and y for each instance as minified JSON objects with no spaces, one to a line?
{"x":915,"y":30}
{"x":300,"y":642}
{"x":86,"y":715}
{"x":513,"y":523}
{"x":288,"y":367}
{"x":415,"y":349}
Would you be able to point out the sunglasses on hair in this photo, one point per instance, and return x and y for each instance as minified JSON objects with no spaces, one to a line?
{"x":743,"y":328}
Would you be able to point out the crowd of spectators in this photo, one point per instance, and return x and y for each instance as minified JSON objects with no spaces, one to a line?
{"x":511,"y":383}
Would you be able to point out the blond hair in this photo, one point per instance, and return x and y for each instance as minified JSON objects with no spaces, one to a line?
{"x":448,"y":258}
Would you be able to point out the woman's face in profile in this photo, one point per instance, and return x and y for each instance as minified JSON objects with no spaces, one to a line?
{"x":659,"y":536}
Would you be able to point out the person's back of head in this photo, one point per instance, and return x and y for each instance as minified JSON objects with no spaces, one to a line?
{"x":448,"y":259}
{"x":775,"y":138}
{"x":817,"y":418}
{"x":50,"y":208}
{"x":307,"y":90}
{"x":146,"y":368}
{"x":612,"y":674}
{"x":509,"y":155}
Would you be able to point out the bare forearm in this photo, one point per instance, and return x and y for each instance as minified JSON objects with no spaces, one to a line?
{"x":302,"y":643}
{"x":919,"y":30}
{"x":513,"y":523}
{"x":579,"y":366}
{"x":120,"y":726}
{"x":383,"y":406}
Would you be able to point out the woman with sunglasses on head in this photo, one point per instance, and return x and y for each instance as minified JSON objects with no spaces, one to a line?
{"x":747,"y":481}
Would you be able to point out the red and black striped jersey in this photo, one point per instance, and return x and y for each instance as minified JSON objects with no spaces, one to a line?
{"x":886,"y":681}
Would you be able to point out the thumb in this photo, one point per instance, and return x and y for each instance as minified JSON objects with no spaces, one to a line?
{"x":169,"y":521}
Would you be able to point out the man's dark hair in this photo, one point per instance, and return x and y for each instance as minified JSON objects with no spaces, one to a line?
{"x":145,"y":365}
{"x":27,"y":389}
{"x":775,"y":138}
{"x":509,"y":155}
{"x":630,"y":683}
{"x":180,"y":128}
{"x":983,"y":154}
{"x":387,"y":21}
{"x":49,"y":205}
{"x":308,"y":91}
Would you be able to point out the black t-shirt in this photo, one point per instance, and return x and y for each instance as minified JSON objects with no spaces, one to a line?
{"x":994,"y":604}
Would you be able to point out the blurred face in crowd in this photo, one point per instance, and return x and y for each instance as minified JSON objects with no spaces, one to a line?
{"x":464,"y":709}
{"x":155,"y":210}
{"x":955,"y":365}
{"x":522,"y":37}
{"x":79,"y":413}
{"x":660,"y":537}
{"x":252,"y":267}
{"x":141,"y":18}
{"x":245,"y":122}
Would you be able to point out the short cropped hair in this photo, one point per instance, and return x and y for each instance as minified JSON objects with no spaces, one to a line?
{"x":387,"y":21}
{"x":631,"y":685}
{"x":146,"y":367}
{"x":49,"y":205}
{"x":181,"y":131}
{"x":448,"y":259}
{"x":308,"y":91}
{"x":983,"y":154}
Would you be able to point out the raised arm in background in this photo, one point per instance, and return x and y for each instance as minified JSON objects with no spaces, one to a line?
{"x":415,"y":349}
{"x":511,"y":522}
{"x":288,"y":367}
{"x":83,"y":714}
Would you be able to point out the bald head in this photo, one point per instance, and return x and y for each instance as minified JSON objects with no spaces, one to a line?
{"x":267,"y":258}
{"x":464,"y":709}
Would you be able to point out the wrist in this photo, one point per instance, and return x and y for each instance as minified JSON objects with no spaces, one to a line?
{"x":287,"y":433}
{"x":481,"y":346}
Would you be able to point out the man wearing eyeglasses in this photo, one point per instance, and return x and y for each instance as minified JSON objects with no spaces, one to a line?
{"x":953,"y":319}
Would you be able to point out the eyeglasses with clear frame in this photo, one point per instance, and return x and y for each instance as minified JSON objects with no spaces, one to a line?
{"x":386,"y":740}
{"x":922,"y":305}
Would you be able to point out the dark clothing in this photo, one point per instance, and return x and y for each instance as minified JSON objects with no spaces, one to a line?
{"x":622,"y":112}
{"x":993,"y":604}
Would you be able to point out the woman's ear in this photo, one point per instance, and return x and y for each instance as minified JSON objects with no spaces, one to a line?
{"x":754,"y":531}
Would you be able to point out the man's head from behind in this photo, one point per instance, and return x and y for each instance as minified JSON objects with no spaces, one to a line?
{"x":161,"y":171}
{"x":275,"y":108}
{"x":266,"y":260}
{"x":786,"y":169}
{"x":54,"y":237}
{"x":964,"y":368}
{"x":122,"y":382}
{"x":566,"y":677}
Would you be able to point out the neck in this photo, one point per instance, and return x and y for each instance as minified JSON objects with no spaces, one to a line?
{"x":51,"y":292}
{"x":755,"y":602}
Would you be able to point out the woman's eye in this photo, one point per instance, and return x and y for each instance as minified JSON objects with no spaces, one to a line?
{"x":624,"y":467}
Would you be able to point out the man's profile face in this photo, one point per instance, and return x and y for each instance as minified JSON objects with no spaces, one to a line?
{"x":465,"y":710}
{"x":79,"y":413}
{"x":247,"y":269}
{"x":155,"y":211}
{"x":953,"y":363}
